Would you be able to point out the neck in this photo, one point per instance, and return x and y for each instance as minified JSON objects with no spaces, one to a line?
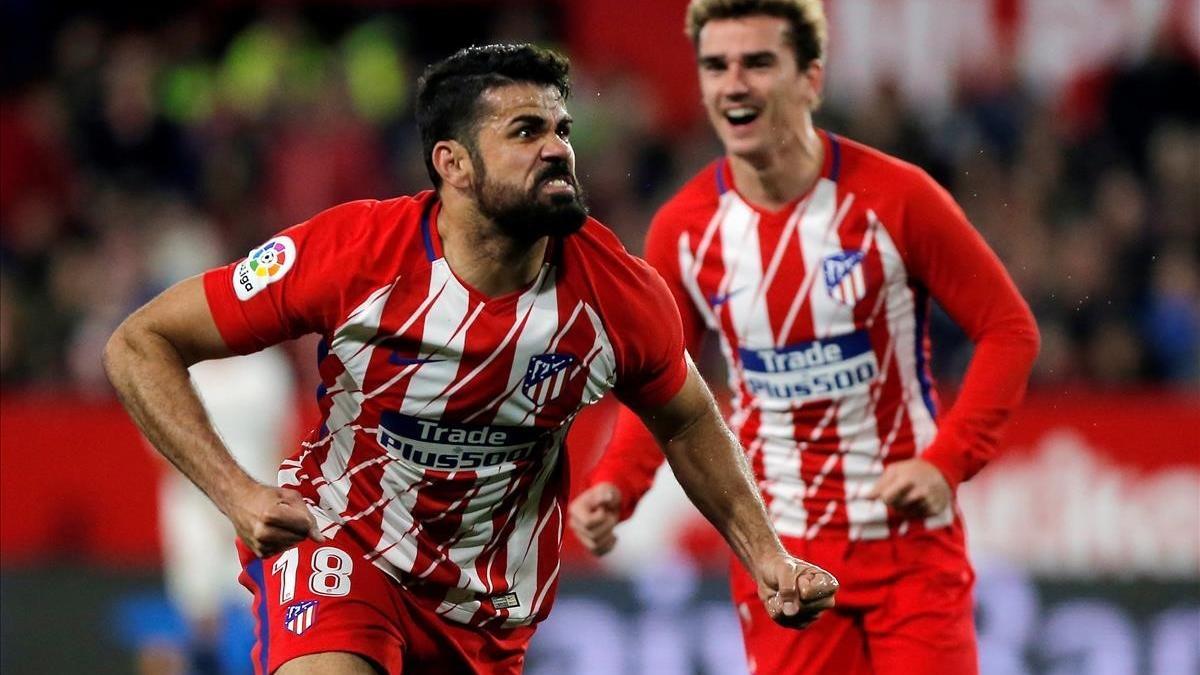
{"x":782,"y":174}
{"x":491,"y":262}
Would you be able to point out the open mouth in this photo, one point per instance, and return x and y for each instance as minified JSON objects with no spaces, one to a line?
{"x":558,"y":184}
{"x":741,"y":116}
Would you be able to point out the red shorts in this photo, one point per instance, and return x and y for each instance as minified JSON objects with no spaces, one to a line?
{"x":904,"y":607}
{"x":326,"y":598}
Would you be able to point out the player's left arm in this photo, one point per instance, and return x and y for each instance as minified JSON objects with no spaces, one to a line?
{"x":659,"y":383}
{"x":712,"y":469}
{"x":626,"y":469}
{"x":950,"y":260}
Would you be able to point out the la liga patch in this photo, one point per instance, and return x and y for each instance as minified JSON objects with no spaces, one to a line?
{"x":263,"y":266}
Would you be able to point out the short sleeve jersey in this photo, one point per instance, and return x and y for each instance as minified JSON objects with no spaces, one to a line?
{"x":444,"y":411}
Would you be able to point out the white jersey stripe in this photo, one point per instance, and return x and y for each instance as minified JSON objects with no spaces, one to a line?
{"x":690,"y":283}
{"x":789,"y":230}
{"x":412,"y":368}
{"x":811,"y":273}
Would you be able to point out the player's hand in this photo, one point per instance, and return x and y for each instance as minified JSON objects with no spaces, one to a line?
{"x":593,"y":516}
{"x":270,"y":520}
{"x":913,"y":486}
{"x":794,"y":592}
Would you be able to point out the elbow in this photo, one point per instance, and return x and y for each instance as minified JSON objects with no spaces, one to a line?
{"x":1029,"y":339}
{"x":1017,"y":336}
{"x":128,"y":344}
{"x":116,"y":352}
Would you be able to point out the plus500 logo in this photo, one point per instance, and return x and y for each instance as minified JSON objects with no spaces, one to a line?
{"x":810,"y":370}
{"x":448,"y":446}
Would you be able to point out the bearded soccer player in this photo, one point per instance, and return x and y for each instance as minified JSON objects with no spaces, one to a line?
{"x":418,"y":529}
{"x":815,"y":259}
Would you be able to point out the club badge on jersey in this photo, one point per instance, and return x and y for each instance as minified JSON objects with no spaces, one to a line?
{"x":263,"y":266}
{"x":300,"y":616}
{"x":546,"y":376}
{"x":844,"y":276}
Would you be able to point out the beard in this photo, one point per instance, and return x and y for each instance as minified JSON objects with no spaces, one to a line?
{"x":526,"y":215}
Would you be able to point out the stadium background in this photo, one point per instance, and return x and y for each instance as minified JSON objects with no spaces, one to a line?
{"x":138,"y":146}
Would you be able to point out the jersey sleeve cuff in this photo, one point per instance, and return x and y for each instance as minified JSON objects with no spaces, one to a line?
{"x":946,"y":459}
{"x":660,"y":391}
{"x":231,"y":323}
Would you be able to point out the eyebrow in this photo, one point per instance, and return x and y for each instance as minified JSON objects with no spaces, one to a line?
{"x":537,"y":120}
{"x":749,"y":57}
{"x":759,"y":57}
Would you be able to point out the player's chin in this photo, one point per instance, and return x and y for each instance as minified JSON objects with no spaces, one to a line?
{"x":563,"y":216}
{"x":739,"y":145}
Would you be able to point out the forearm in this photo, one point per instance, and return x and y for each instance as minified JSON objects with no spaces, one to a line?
{"x":150,"y":377}
{"x":709,"y":464}
{"x":993,"y":387}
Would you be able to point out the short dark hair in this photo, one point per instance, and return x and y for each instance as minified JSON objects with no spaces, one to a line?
{"x":449,"y":91}
{"x":807,"y":31}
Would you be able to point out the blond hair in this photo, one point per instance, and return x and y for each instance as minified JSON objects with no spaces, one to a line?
{"x":807,"y":31}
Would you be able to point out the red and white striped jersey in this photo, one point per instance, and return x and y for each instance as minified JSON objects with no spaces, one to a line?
{"x":444,"y":411}
{"x":822,"y":309}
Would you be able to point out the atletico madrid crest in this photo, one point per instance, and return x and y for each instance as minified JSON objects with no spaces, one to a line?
{"x":299,"y":617}
{"x":844,"y":276}
{"x":546,"y":376}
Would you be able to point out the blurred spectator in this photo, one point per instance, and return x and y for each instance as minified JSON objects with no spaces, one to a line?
{"x":131,"y":142}
{"x":1172,"y":319}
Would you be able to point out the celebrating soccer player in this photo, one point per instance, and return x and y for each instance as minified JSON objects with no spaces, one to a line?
{"x":815,"y":259}
{"x":418,"y":528}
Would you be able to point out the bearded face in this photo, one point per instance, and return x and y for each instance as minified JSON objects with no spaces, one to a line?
{"x":553,"y":205}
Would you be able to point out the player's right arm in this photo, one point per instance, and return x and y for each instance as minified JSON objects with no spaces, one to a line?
{"x":290,"y":286}
{"x":147,"y":360}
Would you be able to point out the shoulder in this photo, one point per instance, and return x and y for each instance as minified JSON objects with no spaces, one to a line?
{"x":631,"y":301}
{"x":363,"y":230}
{"x":619,"y":283}
{"x":597,"y":252}
{"x":370,"y":216}
{"x":866,"y":170}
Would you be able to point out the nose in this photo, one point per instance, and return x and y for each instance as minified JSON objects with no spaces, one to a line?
{"x":734,"y":84}
{"x":556,"y":148}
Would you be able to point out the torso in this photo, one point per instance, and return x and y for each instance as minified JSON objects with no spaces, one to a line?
{"x":823,"y":329}
{"x":444,"y":411}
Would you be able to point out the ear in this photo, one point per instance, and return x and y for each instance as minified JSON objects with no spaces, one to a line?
{"x":453,"y":163}
{"x":814,"y":75}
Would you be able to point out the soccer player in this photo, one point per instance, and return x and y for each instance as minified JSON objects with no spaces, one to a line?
{"x":815,"y":258}
{"x":418,"y":529}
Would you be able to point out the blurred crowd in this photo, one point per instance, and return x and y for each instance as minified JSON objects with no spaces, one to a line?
{"x":136,"y":153}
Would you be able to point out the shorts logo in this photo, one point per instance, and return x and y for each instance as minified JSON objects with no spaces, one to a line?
{"x":844,"y":276}
{"x":264,"y":265}
{"x":546,"y":375}
{"x":300,"y":616}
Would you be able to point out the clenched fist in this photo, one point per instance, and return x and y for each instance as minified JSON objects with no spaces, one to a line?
{"x":270,"y":520}
{"x":794,"y":592}
{"x":594,"y":515}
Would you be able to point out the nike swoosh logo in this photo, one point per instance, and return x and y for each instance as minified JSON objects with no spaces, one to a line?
{"x":397,"y":360}
{"x":716,"y":299}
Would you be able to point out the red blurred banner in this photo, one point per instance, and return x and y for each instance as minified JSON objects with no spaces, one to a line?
{"x":77,"y":483}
